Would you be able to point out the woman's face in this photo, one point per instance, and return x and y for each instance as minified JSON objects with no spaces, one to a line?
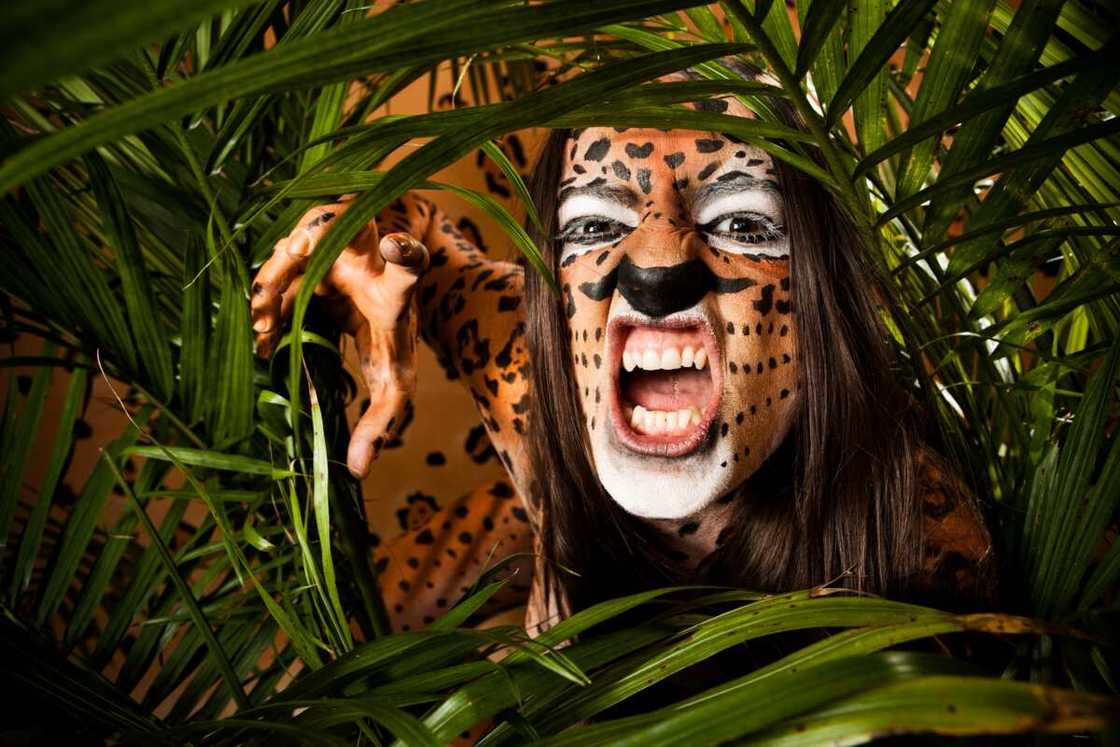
{"x":674,"y":267}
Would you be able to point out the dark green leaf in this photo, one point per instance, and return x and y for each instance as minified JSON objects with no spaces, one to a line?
{"x":151,"y":340}
{"x":40,"y":42}
{"x":874,"y":54}
{"x":818,"y":25}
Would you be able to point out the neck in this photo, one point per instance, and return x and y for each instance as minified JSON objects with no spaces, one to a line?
{"x":695,"y":537}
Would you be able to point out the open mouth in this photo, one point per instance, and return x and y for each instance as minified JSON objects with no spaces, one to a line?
{"x":666,"y":385}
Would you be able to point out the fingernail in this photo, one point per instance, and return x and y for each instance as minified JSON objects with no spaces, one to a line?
{"x":299,"y":245}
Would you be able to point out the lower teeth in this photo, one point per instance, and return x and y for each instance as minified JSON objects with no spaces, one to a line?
{"x":655,"y":422}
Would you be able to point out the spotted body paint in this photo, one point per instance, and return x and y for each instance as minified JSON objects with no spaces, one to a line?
{"x":673,"y":240}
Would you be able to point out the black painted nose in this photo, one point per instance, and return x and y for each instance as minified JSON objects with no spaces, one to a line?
{"x":660,"y":291}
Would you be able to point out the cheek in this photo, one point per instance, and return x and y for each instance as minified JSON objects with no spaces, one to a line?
{"x":760,"y":361}
{"x":587,"y":327}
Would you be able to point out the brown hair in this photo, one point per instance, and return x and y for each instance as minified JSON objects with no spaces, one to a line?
{"x":837,"y":499}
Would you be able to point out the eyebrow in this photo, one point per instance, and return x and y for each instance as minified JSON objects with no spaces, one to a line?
{"x":599,"y":188}
{"x":732,"y":182}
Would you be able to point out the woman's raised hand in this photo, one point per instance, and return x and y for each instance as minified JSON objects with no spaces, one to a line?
{"x":368,"y":291}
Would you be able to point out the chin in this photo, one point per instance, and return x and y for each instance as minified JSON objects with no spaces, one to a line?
{"x":664,"y":453}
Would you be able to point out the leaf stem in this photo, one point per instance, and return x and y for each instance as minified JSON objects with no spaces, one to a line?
{"x":857,"y":203}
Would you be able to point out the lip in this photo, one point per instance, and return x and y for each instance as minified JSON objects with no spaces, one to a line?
{"x":659,"y":445}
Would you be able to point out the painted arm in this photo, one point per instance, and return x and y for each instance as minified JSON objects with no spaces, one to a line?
{"x":427,"y":569}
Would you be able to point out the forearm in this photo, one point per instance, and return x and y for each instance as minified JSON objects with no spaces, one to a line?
{"x":471,"y":314}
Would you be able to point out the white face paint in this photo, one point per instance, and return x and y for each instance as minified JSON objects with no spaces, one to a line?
{"x":647,"y":475}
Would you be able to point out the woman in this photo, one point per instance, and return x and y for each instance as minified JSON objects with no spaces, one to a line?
{"x":709,"y":399}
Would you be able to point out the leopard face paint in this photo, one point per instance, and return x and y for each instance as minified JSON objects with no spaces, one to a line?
{"x":674,"y":266}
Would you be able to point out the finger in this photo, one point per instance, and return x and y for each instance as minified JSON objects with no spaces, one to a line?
{"x":405,"y":258}
{"x":312,"y":227}
{"x":289,"y":257}
{"x":376,"y":426}
{"x":272,"y":281}
{"x":387,"y":361}
{"x":268,"y":335}
{"x":385,"y":301}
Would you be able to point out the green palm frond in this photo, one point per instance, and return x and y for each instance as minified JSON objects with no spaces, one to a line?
{"x":151,"y":156}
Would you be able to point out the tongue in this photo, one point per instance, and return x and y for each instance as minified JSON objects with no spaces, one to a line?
{"x":667,"y":390}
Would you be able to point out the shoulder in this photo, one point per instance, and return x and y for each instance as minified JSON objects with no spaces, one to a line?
{"x":957,"y":553}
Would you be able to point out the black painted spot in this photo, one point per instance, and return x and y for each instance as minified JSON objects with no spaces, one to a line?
{"x":621,"y":171}
{"x":569,"y":302}
{"x":688,"y":528}
{"x":639,"y":151}
{"x":435,"y":459}
{"x":709,"y":145}
{"x":597,"y":149}
{"x":716,"y":106}
{"x":502,"y":490}
{"x":673,"y":160}
{"x":708,"y":171}
{"x":766,"y":301}
{"x":320,"y":220}
{"x":643,"y":180}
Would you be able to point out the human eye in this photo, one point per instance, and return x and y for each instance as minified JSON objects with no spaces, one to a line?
{"x":744,"y":222}
{"x":588,"y":223}
{"x":581,"y":235}
{"x":747,"y":233}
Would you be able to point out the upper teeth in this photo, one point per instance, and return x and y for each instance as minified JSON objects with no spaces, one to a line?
{"x":665,"y":359}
